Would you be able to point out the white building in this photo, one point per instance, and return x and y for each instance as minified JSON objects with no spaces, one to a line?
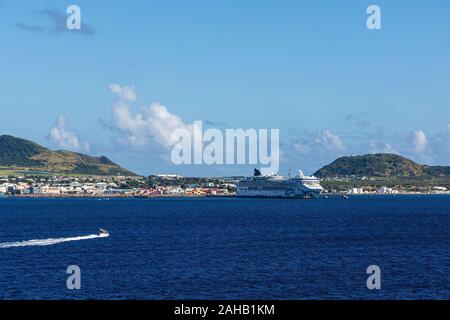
{"x":7,"y":187}
{"x":46,"y":190}
{"x":169,"y":176}
{"x":101,"y":185}
{"x":356,"y":191}
{"x":386,"y":190}
{"x":4,"y":188}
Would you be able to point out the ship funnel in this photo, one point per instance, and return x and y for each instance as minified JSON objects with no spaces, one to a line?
{"x":300,"y":174}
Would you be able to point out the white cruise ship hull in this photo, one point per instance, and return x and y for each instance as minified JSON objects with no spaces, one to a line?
{"x":243,"y":193}
{"x":301,"y":187}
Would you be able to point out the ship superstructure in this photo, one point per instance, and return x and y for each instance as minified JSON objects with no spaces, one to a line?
{"x":274,"y":186}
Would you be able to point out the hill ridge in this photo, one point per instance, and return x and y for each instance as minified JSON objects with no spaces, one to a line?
{"x":18,"y":154}
{"x":380,"y":165}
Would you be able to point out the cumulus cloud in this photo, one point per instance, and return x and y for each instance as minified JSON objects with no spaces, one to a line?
{"x":423,"y":147}
{"x":318,"y":142}
{"x":123,"y":92}
{"x":311,"y":150}
{"x":150,"y":123}
{"x":381,"y":147}
{"x":63,"y":138}
{"x":439,"y":147}
{"x":419,"y":141}
{"x":331,"y":142}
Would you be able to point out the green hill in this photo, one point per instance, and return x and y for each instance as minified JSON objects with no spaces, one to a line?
{"x":380,"y":165}
{"x":19,"y":155}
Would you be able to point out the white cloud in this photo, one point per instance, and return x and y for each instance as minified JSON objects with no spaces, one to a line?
{"x":389,"y":149}
{"x":439,"y":147}
{"x":419,"y":141}
{"x":331,"y":142}
{"x":63,"y":138}
{"x":431,"y":149}
{"x":311,"y":150}
{"x":318,"y":142}
{"x":154,"y":122}
{"x":376,"y":146}
{"x":123,"y":92}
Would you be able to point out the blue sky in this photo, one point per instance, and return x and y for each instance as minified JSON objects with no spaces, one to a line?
{"x":309,"y":68}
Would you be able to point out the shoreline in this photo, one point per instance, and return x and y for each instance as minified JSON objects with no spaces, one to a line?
{"x":322,"y":196}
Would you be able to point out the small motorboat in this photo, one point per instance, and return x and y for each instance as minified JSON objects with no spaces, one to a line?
{"x":103,"y":232}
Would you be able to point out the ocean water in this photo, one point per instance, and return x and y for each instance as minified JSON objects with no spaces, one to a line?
{"x":226,"y":248}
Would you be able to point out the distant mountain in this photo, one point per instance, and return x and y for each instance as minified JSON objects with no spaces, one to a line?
{"x":380,"y":165}
{"x":22,"y":155}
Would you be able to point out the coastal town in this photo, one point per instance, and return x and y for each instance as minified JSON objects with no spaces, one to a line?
{"x":170,"y":185}
{"x":115,"y":186}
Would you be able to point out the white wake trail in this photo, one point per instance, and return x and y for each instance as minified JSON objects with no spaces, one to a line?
{"x":48,"y":242}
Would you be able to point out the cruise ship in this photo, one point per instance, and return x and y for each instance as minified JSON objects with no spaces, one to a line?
{"x":259,"y":186}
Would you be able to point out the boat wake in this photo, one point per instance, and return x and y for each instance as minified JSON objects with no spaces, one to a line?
{"x":49,"y":242}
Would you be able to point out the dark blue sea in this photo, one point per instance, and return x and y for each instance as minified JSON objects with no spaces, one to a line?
{"x":226,"y":248}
